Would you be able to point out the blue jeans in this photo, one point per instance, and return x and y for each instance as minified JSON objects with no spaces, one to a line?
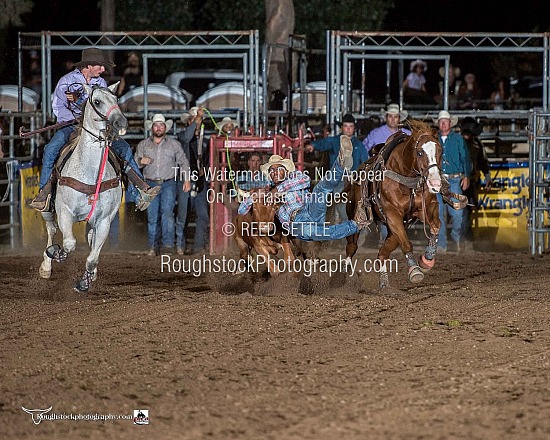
{"x":162,"y":207}
{"x":200,"y":204}
{"x":309,"y":223}
{"x":457,"y":217}
{"x":60,"y":139}
{"x":181,"y":218}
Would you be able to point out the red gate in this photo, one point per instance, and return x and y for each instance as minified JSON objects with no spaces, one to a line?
{"x":222,"y":200}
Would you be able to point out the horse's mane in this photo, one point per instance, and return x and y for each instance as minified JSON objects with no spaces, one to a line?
{"x":421,"y":126}
{"x":75,"y":136}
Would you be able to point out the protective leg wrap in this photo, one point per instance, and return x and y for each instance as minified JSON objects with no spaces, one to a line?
{"x":431,"y":249}
{"x":57,"y":253}
{"x":411,"y":261}
{"x":83,"y":284}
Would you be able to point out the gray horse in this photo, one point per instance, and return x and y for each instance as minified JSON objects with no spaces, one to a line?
{"x":102,"y":121}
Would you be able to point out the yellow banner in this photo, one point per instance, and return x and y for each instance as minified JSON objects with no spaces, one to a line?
{"x":503,"y":211}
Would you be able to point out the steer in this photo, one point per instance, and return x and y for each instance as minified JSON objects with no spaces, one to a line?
{"x":257,"y":230}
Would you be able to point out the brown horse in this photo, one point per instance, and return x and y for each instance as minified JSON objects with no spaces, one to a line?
{"x":409,"y":167}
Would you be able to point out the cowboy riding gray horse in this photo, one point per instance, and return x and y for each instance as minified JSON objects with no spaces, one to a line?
{"x":89,"y":187}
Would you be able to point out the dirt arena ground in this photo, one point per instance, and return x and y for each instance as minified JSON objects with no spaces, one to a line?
{"x":463,"y":355}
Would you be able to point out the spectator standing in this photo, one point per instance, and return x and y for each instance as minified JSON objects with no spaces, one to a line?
{"x":253,"y":177}
{"x":227,"y":126}
{"x":331,"y":145}
{"x":196,"y":149}
{"x":393,"y":116}
{"x":469,"y":94}
{"x":454,"y":83}
{"x":414,"y":86}
{"x":182,"y":196}
{"x":457,"y":168}
{"x":470,"y":130}
{"x":159,"y":156}
{"x":500,"y":97}
{"x":34,"y":81}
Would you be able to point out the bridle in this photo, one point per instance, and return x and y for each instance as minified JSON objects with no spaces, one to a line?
{"x":110,"y":134}
{"x":419,"y":153}
{"x":423,"y":174}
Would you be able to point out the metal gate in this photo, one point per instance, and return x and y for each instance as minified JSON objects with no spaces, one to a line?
{"x":200,"y":44}
{"x":539,"y":182}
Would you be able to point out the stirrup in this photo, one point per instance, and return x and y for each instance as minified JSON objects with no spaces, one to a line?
{"x":361,"y":217}
{"x":41,"y":205}
{"x":462,"y":201}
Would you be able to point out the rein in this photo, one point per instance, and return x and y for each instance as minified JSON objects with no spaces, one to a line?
{"x":104,"y":117}
{"x":94,"y":198}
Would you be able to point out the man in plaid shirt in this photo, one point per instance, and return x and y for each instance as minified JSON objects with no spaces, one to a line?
{"x":301,"y":212}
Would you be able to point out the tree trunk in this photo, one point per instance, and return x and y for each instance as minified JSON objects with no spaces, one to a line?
{"x":279,"y":15}
{"x":108,"y":25}
{"x":107,"y":15}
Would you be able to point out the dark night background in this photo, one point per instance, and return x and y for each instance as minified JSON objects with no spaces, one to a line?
{"x":420,"y":16}
{"x":410,"y":16}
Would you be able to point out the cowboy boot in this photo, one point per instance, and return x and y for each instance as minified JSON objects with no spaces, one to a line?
{"x":146,"y":193}
{"x":345,"y":158}
{"x":42,"y":200}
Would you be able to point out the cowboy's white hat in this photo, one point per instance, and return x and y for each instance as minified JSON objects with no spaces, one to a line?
{"x":225,"y":121}
{"x":277,"y":160}
{"x":158,"y":118}
{"x":393,"y":109}
{"x":419,"y":61}
{"x":191,"y":113}
{"x":444,"y":114}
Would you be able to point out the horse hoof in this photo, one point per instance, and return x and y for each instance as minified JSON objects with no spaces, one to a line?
{"x":56,"y":253}
{"x":426,"y":264}
{"x":80,"y":288}
{"x":415,"y":274}
{"x":44,"y":273}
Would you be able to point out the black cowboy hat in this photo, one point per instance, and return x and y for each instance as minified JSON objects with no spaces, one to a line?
{"x":471,"y":126}
{"x":348,"y":117}
{"x":93,"y":56}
